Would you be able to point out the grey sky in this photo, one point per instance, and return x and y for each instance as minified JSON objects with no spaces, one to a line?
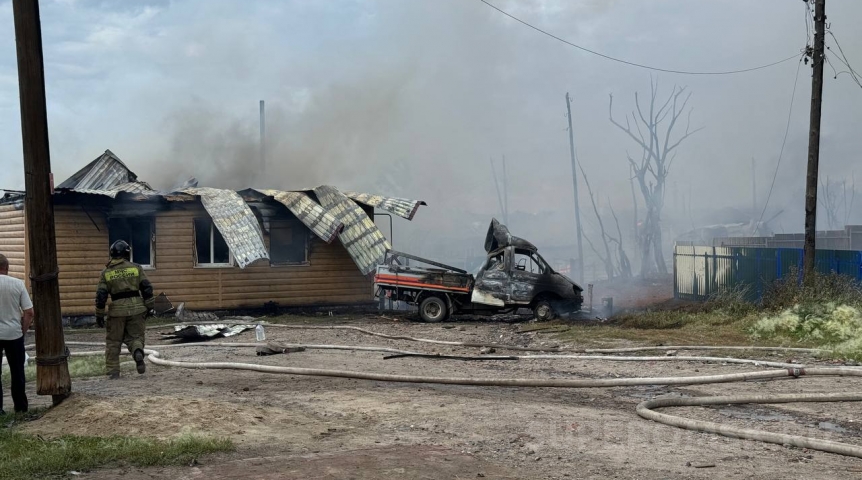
{"x":425,"y":91}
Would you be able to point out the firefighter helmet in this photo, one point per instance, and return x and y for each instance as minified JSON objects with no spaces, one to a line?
{"x":121,"y":249}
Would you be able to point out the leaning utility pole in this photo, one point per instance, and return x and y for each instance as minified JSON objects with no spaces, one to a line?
{"x":575,"y":187}
{"x":817,"y":59}
{"x":52,"y":370}
{"x":503,"y":213}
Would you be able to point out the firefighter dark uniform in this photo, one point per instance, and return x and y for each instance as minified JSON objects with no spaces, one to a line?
{"x":131,"y":302}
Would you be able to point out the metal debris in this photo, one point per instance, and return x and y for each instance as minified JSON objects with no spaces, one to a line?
{"x":403,"y":207}
{"x":163,"y":304}
{"x":235,"y":221}
{"x":102,"y":174}
{"x":498,"y":236}
{"x":187,"y":316}
{"x":312,"y":215}
{"x":198,"y":333}
{"x":363,"y":240}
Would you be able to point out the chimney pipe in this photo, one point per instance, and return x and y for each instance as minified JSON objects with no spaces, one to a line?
{"x":262,"y":171}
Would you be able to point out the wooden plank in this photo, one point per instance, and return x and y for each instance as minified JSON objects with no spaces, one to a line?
{"x":182,"y":238}
{"x":186,"y":268}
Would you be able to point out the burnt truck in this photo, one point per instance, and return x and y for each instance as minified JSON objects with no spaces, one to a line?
{"x":514,"y":276}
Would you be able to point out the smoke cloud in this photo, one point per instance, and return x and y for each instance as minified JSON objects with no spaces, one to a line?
{"x":412,"y":98}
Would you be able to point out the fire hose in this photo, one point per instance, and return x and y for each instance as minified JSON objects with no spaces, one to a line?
{"x":645,"y":409}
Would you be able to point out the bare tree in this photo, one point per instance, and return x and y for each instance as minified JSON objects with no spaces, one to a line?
{"x":654,"y":133}
{"x":625,"y":266}
{"x":837,"y":199}
{"x":607,"y":259}
{"x":829,"y":201}
{"x":848,"y":207}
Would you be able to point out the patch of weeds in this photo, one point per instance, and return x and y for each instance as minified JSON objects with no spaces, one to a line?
{"x":824,"y":288}
{"x":731,"y":301}
{"x":698,"y":327}
{"x":834,"y":327}
{"x":79,"y":367}
{"x":24,"y":456}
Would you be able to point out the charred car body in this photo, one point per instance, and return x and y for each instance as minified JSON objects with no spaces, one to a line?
{"x":514,"y":276}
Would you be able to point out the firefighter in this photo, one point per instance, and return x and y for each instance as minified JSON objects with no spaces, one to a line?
{"x":131,"y":303}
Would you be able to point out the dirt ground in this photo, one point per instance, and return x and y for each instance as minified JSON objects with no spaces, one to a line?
{"x":292,"y":427}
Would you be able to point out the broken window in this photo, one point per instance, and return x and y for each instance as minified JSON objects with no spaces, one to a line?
{"x":138,"y":233}
{"x":210,"y":247}
{"x":288,"y":242}
{"x":496,"y":262}
{"x":531,"y":262}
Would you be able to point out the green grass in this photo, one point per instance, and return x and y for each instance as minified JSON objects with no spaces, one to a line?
{"x":667,"y":327}
{"x":24,"y":456}
{"x":701,"y":325}
{"x":79,"y":367}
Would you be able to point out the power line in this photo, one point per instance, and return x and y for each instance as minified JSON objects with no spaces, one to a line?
{"x":783,"y":143}
{"x":843,"y":59}
{"x":639,"y":65}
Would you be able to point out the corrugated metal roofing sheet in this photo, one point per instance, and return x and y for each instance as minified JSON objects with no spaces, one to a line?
{"x":363,"y":240}
{"x":131,"y":187}
{"x":236,"y":222}
{"x":312,"y":215}
{"x":103,"y":173}
{"x":402,"y":207}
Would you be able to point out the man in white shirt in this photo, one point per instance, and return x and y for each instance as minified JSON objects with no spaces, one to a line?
{"x":16,"y":315}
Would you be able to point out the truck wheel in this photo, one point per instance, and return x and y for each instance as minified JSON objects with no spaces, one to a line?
{"x":433,"y":309}
{"x":543,"y":311}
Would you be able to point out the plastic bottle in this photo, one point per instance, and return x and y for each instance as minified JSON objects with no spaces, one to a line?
{"x":259,"y":334}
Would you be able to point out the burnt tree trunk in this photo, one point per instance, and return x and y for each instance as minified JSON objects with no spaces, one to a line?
{"x":653,"y":132}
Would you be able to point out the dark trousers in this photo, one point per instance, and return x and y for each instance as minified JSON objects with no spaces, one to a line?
{"x":15,"y":356}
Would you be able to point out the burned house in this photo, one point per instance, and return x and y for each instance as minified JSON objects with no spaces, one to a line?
{"x":210,"y":248}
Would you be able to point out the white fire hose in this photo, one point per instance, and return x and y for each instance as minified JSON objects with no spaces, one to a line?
{"x":644,"y":409}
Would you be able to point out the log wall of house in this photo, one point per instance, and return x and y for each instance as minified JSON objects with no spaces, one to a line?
{"x":330,"y":277}
{"x":13,"y":239}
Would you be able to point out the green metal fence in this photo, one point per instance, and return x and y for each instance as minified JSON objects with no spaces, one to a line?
{"x":702,"y":271}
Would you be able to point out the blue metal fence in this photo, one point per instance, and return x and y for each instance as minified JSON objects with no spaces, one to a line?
{"x":702,"y":271}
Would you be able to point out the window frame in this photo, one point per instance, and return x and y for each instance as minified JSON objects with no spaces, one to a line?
{"x":306,"y":237}
{"x":534,"y":260}
{"x":152,"y":222}
{"x":212,"y":231}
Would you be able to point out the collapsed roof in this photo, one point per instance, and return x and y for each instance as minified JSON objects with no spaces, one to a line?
{"x":325,"y":210}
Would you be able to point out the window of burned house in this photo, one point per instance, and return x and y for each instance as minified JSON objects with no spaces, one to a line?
{"x":210,"y":246}
{"x":138,"y":233}
{"x":288,"y":242}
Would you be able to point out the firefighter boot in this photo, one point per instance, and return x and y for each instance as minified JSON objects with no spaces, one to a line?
{"x":113,"y":375}
{"x":139,"y":360}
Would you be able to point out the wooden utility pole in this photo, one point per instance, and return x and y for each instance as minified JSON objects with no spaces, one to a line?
{"x":575,"y":188}
{"x":52,"y":370}
{"x":817,"y":59}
